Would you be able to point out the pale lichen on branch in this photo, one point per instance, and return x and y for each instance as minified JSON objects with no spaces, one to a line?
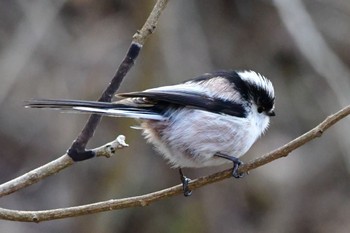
{"x":109,"y":149}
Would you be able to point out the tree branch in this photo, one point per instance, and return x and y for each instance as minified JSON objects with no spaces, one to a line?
{"x":55,"y":166}
{"x":76,"y":151}
{"x":80,"y":142}
{"x":147,"y":199}
{"x":313,"y":46}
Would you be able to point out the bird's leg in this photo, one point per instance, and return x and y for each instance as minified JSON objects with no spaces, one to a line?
{"x":236,"y":164}
{"x":185,"y":181}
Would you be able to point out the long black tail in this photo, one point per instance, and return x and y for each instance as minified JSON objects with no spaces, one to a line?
{"x":63,"y":104}
{"x":103,"y":108}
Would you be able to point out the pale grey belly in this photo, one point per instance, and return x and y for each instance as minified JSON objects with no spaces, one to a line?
{"x":194,"y":137}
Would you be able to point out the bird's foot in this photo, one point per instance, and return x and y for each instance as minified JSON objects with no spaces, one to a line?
{"x":184,"y":180}
{"x":236,"y":164}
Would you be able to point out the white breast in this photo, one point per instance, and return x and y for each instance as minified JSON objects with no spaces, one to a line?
{"x":191,"y":138}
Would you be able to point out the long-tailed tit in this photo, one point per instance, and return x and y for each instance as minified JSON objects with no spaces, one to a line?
{"x":210,"y":120}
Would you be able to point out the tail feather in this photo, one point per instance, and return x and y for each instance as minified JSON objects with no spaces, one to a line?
{"x":103,"y":108}
{"x":62,"y":103}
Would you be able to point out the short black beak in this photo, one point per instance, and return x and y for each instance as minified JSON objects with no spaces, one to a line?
{"x":271,"y":113}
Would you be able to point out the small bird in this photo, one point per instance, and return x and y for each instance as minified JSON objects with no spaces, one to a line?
{"x":210,"y":120}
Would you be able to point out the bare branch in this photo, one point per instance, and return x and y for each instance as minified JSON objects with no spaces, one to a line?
{"x":108,"y":150}
{"x":79,"y":144}
{"x":326,"y":63}
{"x":55,"y":166}
{"x":35,"y":175}
{"x":139,"y":39}
{"x":151,"y":23}
{"x":147,"y":199}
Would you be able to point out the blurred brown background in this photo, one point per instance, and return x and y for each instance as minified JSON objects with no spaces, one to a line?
{"x":71,"y":49}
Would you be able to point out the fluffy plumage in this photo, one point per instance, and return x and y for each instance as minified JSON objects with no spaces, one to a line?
{"x":189,"y":123}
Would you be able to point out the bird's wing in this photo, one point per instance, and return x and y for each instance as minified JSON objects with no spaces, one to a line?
{"x":189,"y":99}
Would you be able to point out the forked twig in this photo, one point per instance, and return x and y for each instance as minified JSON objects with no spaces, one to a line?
{"x":55,"y":166}
{"x":138,"y":41}
{"x":77,"y":151}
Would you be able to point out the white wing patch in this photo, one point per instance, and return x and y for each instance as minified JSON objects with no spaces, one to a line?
{"x":122,"y":113}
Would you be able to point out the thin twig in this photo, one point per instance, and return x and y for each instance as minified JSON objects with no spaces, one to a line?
{"x":79,"y":144}
{"x":322,"y":58}
{"x":35,"y":175}
{"x":138,"y":41}
{"x":147,"y":199}
{"x":55,"y":166}
{"x":108,"y":150}
{"x":151,"y":23}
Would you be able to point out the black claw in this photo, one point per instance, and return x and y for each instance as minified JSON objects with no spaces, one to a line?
{"x":235,"y":173}
{"x":236,"y":164}
{"x":186,"y":189}
{"x":184,"y":180}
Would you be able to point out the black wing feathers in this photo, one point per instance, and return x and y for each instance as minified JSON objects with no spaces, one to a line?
{"x":190,"y":99}
{"x":155,"y":102}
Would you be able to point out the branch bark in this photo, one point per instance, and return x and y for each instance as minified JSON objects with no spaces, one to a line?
{"x":76,"y":151}
{"x":55,"y":166}
{"x":80,"y":142}
{"x":313,"y":46}
{"x":147,"y":199}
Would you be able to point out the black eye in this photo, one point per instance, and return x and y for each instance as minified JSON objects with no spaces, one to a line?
{"x":260,"y":109}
